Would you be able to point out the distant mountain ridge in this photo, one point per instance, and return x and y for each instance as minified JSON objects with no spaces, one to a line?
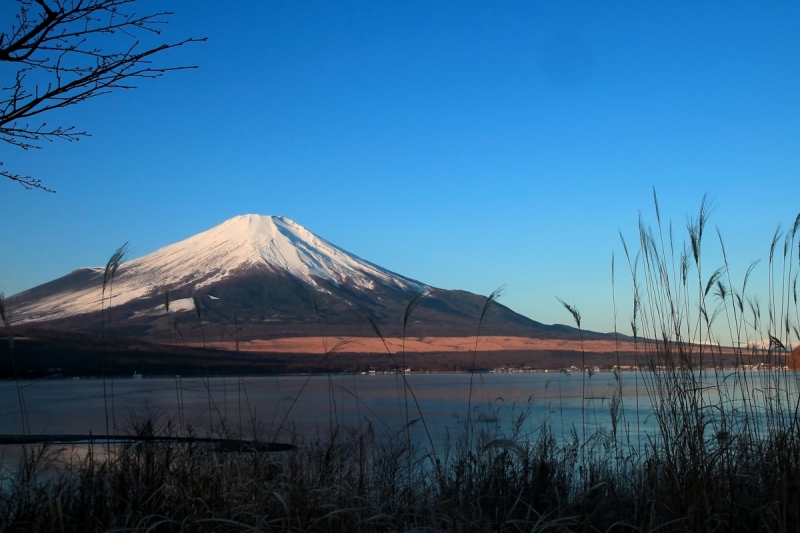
{"x":257,"y":277}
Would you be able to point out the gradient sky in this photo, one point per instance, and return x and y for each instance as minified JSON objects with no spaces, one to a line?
{"x":465,"y":144}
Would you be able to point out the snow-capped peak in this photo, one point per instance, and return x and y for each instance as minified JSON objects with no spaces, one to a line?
{"x":252,"y":240}
{"x":243,"y":242}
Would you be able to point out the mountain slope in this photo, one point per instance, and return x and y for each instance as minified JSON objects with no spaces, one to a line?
{"x":266,"y":275}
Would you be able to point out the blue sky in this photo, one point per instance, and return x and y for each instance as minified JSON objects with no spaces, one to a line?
{"x":468,"y":145}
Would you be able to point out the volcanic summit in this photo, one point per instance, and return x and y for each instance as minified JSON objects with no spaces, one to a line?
{"x":267,"y":275}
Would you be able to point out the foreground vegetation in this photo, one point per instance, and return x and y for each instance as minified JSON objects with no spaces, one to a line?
{"x":353,"y":481}
{"x":724,"y":454}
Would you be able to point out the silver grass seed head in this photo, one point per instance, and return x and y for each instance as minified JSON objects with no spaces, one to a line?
{"x":3,"y":313}
{"x":198,"y":304}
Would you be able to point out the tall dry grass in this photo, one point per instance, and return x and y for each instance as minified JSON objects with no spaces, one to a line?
{"x":726,"y":451}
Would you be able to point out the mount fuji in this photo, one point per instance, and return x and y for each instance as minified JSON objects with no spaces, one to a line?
{"x":267,"y":276}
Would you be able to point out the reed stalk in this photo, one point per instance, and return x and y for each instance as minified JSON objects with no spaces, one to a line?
{"x":6,"y":320}
{"x":487,"y":304}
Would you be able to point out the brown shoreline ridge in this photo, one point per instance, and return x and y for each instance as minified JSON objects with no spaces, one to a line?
{"x":420,"y":345}
{"x":48,"y":353}
{"x":456,"y":353}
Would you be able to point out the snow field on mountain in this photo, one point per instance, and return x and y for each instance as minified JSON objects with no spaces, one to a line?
{"x":241,"y":243}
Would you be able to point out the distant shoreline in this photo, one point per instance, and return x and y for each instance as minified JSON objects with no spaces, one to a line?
{"x":367,"y":374}
{"x":40,"y":354}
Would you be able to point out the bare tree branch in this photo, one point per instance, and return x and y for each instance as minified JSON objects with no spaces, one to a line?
{"x":66,"y":52}
{"x":26,"y":181}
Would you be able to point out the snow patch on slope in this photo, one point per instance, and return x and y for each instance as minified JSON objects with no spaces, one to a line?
{"x":178,"y":306}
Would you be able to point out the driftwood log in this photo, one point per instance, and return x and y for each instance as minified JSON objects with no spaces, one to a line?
{"x":220,"y":445}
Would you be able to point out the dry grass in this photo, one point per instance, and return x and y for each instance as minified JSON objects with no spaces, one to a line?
{"x":355,"y":481}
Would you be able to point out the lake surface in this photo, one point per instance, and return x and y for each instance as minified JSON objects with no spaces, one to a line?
{"x":312,"y":405}
{"x":272,"y":408}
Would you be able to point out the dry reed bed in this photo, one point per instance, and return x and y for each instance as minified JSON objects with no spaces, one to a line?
{"x":353,"y":481}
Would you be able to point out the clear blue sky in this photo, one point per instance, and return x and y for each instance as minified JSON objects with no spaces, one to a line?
{"x":464,"y":144}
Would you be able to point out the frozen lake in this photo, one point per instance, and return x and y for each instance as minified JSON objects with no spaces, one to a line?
{"x":309,"y":406}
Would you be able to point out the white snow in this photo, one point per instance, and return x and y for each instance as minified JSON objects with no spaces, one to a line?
{"x":241,"y":242}
{"x":184,"y":304}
